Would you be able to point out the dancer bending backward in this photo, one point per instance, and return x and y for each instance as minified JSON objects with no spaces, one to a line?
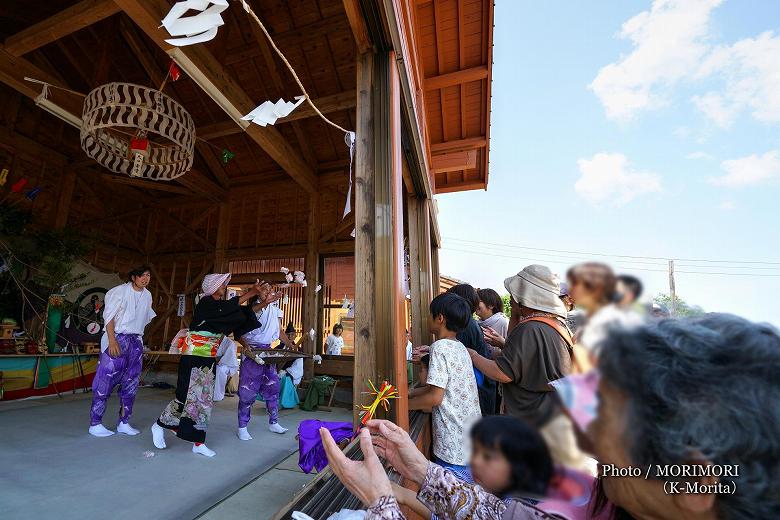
{"x":213,"y":318}
{"x":253,"y":376}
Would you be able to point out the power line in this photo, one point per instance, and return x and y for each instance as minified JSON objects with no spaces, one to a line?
{"x":628,"y":267}
{"x":665,"y":259}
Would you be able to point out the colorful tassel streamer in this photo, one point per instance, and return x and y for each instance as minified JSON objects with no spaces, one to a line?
{"x":381,"y":396}
{"x":226,"y":155}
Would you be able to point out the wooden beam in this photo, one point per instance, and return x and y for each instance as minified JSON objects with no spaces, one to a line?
{"x":141,"y":52}
{"x":64,"y":198}
{"x":221,"y":129}
{"x":348,"y":224}
{"x":456,"y":78}
{"x":31,"y":149}
{"x":470,"y":143}
{"x":223,"y":238}
{"x":187,"y":230}
{"x":214,"y":163}
{"x":379,"y":303}
{"x":311,"y":299}
{"x":462,"y":186}
{"x":13,"y":70}
{"x":68,"y":21}
{"x":454,"y":161}
{"x":160,"y":320}
{"x":146,"y":185}
{"x":358,"y":25}
{"x":198,"y":63}
{"x":198,"y":182}
{"x":420,"y":268}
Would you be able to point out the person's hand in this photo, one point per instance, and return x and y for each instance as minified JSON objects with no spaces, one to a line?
{"x":366,"y":479}
{"x":493,"y":338}
{"x":395,"y":446}
{"x":113,"y":347}
{"x":419,"y":351}
{"x":402,"y":495}
{"x":271,"y":297}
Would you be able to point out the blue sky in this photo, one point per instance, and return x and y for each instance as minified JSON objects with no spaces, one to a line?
{"x":636,"y":128}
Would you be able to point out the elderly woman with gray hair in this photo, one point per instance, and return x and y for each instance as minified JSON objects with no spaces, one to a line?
{"x":689,"y":408}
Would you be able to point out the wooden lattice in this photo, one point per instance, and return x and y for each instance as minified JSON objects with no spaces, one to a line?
{"x":115,"y":113}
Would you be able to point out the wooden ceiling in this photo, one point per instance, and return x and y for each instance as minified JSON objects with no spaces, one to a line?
{"x":454,"y":49}
{"x":82,"y":44}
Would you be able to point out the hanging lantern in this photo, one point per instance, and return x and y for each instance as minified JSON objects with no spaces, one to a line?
{"x":137,"y":131}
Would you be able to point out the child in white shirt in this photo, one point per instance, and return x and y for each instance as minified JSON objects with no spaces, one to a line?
{"x":451,"y":391}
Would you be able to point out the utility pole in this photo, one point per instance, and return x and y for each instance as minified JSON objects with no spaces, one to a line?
{"x":672,"y":294}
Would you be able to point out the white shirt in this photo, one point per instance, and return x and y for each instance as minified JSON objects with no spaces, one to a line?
{"x":598,"y":326}
{"x":450,"y":368}
{"x":269,"y":326}
{"x":498,"y":322}
{"x":227,"y":349}
{"x":333,"y":345}
{"x":296,"y":371}
{"x":408,"y":350}
{"x":130,"y":310}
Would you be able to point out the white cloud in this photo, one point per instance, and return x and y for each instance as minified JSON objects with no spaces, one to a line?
{"x":727,"y":205}
{"x":608,"y":177}
{"x":669,"y":42}
{"x":753,"y":169}
{"x":699,"y":155}
{"x":751,"y":70}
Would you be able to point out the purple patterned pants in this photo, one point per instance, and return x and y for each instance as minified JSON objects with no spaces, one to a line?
{"x":254,"y":378}
{"x":123,"y":370}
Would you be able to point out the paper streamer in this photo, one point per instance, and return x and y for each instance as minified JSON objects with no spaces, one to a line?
{"x":318,"y":288}
{"x":381,"y":397}
{"x":199,"y":28}
{"x":182,"y":305}
{"x":349,"y":138}
{"x":268,"y":112}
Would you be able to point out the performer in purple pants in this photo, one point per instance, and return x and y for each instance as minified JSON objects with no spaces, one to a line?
{"x":123,"y":371}
{"x":254,"y":377}
{"x":127,"y":312}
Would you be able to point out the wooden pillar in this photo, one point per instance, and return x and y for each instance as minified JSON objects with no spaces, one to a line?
{"x":67,"y":185}
{"x":379,"y":301}
{"x":420,"y":268}
{"x":311,"y":301}
{"x":223,"y":238}
{"x":435,"y":275}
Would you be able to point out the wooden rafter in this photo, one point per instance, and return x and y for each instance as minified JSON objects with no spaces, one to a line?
{"x":358,"y":25}
{"x":198,"y":63}
{"x":456,"y":78}
{"x":146,"y":185}
{"x":68,"y":21}
{"x":470,"y":143}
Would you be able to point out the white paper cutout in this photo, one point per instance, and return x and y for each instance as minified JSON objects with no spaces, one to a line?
{"x":268,"y":112}
{"x":304,"y":283}
{"x":345,"y":303}
{"x":299,"y":277}
{"x":317,"y":359}
{"x":312,"y":334}
{"x":353,"y":233}
{"x":198,"y":28}
{"x":286,"y":299}
{"x":349,"y":138}
{"x":288,"y":277}
{"x":284,"y":270}
{"x":318,"y":288}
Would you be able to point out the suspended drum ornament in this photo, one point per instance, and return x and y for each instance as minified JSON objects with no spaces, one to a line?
{"x":137,"y":131}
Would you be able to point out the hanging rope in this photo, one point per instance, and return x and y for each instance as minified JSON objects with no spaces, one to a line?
{"x":290,"y":68}
{"x":47,"y":86}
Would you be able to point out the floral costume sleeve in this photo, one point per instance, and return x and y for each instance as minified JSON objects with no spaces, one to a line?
{"x":385,"y":508}
{"x":447,"y":496}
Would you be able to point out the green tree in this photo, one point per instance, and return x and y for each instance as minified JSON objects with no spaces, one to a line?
{"x":682,"y":308}
{"x":507,"y":306}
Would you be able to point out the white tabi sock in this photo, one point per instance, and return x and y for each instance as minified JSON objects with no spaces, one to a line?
{"x":277,"y":428}
{"x":100,"y":431}
{"x":203,"y":450}
{"x":243,"y":434}
{"x":125,"y":428}
{"x":158,"y":436}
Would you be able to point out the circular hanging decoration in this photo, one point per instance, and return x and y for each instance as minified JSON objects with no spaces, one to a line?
{"x":137,"y":131}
